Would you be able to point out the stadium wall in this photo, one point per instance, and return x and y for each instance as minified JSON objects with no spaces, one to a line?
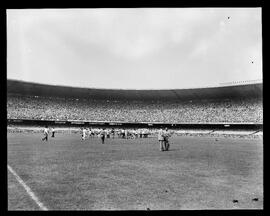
{"x":101,"y":124}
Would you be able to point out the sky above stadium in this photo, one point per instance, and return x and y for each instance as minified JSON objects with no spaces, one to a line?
{"x":141,"y":48}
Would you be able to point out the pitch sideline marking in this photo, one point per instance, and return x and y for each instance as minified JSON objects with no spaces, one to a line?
{"x":28,"y":189}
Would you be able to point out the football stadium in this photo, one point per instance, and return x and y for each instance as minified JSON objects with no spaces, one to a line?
{"x":134,"y":109}
{"x":215,"y":160}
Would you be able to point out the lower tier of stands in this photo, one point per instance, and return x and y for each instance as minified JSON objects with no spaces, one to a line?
{"x":28,"y":107}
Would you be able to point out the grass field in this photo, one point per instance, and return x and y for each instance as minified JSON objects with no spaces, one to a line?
{"x":197,"y":173}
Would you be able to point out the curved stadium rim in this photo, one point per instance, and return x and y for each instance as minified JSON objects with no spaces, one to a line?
{"x":246,"y":90}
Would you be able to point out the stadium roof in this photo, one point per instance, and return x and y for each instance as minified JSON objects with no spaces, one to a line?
{"x":221,"y":92}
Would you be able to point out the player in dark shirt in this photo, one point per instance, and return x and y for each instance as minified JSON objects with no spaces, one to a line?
{"x":102,"y":136}
{"x":166,"y":139}
{"x":53,"y":132}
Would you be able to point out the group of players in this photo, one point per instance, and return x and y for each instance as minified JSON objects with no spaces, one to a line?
{"x":163,"y":138}
{"x":46,"y":133}
{"x":112,"y":133}
{"x":163,"y":135}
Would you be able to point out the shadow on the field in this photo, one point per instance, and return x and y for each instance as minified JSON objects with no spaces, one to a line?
{"x":174,"y":149}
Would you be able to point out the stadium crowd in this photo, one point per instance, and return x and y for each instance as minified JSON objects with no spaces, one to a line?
{"x":30,"y":107}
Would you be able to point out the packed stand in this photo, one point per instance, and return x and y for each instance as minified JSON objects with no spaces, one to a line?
{"x":44,"y":108}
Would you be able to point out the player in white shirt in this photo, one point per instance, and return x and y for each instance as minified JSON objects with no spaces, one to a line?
{"x":126,"y":133}
{"x":83,"y":134}
{"x":166,"y":136}
{"x":46,"y":133}
{"x":53,"y":132}
{"x":161,"y":140}
{"x":89,"y":132}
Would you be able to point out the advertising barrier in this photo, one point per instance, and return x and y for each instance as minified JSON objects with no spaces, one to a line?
{"x":75,"y":123}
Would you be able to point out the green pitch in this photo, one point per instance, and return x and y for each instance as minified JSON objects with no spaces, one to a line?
{"x":67,"y":173}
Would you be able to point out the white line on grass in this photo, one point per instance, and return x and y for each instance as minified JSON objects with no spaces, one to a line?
{"x":28,"y":189}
